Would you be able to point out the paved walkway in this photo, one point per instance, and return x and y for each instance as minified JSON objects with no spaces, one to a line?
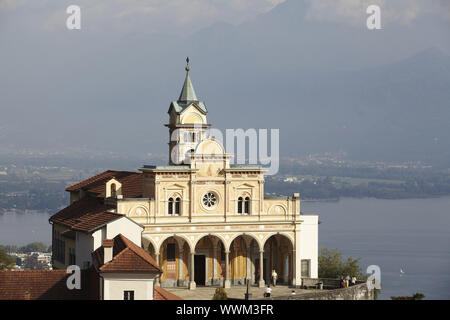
{"x":235,"y":292}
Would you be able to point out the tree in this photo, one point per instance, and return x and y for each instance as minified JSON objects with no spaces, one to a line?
{"x":418,"y":296}
{"x":331,"y":265}
{"x":6,"y":262}
{"x":33,"y":247}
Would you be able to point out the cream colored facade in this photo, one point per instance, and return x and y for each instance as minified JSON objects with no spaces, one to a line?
{"x":207,"y":222}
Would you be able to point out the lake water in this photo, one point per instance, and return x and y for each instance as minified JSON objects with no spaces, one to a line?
{"x":21,"y":229}
{"x":412,"y":234}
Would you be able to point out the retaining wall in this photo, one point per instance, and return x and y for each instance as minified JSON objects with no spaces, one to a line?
{"x":357,"y":292}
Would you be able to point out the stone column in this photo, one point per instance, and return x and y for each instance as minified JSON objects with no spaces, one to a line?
{"x":286,"y":267}
{"x":214,"y":263}
{"x":227,"y":199}
{"x":157,"y":262}
{"x":261,"y":198}
{"x":192,"y":200}
{"x":192,"y":285}
{"x":156,"y":198}
{"x":297,"y":261}
{"x":227,"y":271}
{"x":180,"y":266}
{"x":249,"y":264}
{"x":261,"y":283}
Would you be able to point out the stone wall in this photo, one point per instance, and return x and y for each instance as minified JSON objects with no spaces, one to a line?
{"x":327,"y":283}
{"x":356,"y":292}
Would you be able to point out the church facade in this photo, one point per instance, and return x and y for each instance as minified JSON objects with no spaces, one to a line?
{"x":205,"y":221}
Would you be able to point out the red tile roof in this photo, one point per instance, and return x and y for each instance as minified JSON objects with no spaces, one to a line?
{"x":86,"y":214}
{"x":46,"y":285}
{"x":132,"y":185}
{"x":104,"y":176}
{"x":127,"y":256}
{"x":94,"y":221}
{"x":161,"y":294}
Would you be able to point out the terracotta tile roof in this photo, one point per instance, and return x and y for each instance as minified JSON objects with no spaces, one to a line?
{"x":86,"y":215}
{"x":106,"y":175}
{"x":127,"y":256}
{"x":161,"y":294}
{"x":132,"y":185}
{"x":46,"y":285}
{"x":94,"y":221}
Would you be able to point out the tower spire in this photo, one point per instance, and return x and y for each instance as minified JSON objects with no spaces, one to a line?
{"x":188,"y":92}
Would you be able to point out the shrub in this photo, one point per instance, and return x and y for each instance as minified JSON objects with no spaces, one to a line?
{"x":416,"y":296}
{"x":220,"y":294}
{"x":6,"y":262}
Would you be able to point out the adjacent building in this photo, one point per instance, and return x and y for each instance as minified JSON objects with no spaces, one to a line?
{"x":121,"y":270}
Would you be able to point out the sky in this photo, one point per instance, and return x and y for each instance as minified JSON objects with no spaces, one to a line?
{"x":304,"y":66}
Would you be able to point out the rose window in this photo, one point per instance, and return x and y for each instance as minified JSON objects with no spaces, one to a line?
{"x":209,"y":200}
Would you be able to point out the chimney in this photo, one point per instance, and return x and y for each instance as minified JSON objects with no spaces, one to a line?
{"x":107,"y":250}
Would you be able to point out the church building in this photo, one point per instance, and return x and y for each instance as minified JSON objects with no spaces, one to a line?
{"x":204,"y":220}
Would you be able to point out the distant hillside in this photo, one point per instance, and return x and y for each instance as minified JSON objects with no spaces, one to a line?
{"x":327,"y":86}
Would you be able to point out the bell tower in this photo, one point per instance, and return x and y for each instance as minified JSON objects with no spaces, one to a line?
{"x":187,"y":123}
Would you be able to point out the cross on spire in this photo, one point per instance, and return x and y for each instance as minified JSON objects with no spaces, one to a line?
{"x":188,"y":92}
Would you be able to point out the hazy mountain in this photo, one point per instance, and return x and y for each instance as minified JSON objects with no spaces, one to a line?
{"x":327,"y":85}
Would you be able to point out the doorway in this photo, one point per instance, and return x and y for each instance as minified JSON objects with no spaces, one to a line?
{"x":200,"y":269}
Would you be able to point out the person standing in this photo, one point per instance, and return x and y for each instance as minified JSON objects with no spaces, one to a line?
{"x":353,"y":280}
{"x":274,"y":277}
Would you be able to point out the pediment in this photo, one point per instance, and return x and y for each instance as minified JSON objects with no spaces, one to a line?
{"x":245,"y":186}
{"x":176,"y":186}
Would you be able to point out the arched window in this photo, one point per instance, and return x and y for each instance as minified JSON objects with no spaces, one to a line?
{"x":247,"y":205}
{"x":240,"y":200}
{"x":113,"y":190}
{"x":171,"y":252}
{"x":170,"y":207}
{"x":178,"y":206}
